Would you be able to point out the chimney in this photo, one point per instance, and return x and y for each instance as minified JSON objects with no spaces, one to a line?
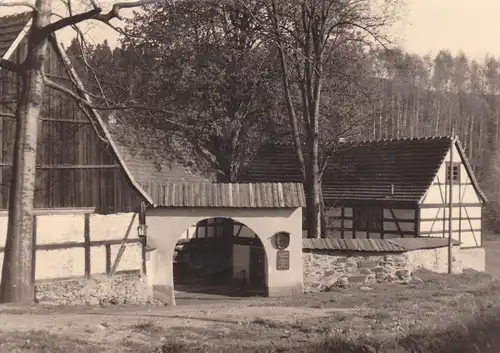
{"x":342,"y":139}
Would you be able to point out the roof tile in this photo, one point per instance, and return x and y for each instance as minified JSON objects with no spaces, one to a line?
{"x":361,"y":170}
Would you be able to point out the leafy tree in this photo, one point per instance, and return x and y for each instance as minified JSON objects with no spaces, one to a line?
{"x":205,"y":60}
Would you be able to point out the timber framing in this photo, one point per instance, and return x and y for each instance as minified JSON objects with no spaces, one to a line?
{"x":405,"y":178}
{"x":84,"y":157}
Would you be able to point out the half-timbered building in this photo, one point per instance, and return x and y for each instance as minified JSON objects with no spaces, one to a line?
{"x":389,"y":188}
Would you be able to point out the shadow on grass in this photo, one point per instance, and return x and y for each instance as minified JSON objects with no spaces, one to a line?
{"x":479,"y":335}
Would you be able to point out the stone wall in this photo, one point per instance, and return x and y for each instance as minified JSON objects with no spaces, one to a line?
{"x":327,"y":270}
{"x":119,"y":289}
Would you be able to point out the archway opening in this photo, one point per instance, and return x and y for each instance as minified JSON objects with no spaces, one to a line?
{"x":219,"y":257}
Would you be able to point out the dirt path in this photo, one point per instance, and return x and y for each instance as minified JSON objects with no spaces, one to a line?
{"x":112,"y":326}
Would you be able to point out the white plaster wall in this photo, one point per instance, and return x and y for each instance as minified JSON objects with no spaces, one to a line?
{"x":465,"y":193}
{"x":63,"y":228}
{"x":56,"y":229}
{"x":467,"y":232}
{"x":131,"y":259}
{"x":3,"y":229}
{"x":166,"y":226}
{"x":113,"y":226}
{"x":98,"y":259}
{"x":60,"y":263}
{"x":435,"y":260}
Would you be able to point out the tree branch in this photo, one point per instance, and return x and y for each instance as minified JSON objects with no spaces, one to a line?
{"x":70,"y":21}
{"x":115,"y":10}
{"x":10,"y":65}
{"x":79,"y":99}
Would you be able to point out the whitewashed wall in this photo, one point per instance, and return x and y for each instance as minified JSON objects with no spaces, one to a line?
{"x":466,"y":212}
{"x":60,"y":243}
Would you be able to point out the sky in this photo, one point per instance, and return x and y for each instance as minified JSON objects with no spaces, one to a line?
{"x":425,"y":27}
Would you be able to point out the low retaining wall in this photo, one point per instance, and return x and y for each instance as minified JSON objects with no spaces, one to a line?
{"x":326,"y":269}
{"x":119,"y":289}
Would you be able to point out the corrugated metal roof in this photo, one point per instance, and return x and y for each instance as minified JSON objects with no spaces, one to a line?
{"x":244,"y":195}
{"x":376,"y":245}
{"x":10,"y":28}
{"x":361,"y":170}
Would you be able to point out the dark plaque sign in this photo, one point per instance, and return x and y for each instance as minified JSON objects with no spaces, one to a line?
{"x":282,"y":240}
{"x":283,"y":260}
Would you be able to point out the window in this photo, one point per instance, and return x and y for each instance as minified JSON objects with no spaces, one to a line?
{"x":368,"y":219}
{"x":453,"y":171}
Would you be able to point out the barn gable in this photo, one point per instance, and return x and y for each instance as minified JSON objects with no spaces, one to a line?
{"x":78,"y":163}
{"x":470,"y":191}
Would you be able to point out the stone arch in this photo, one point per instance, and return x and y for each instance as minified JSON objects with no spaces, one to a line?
{"x":166,"y":225}
{"x":233,"y":246}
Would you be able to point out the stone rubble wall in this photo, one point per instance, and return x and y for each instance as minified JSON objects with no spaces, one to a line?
{"x":119,"y":289}
{"x":327,"y":270}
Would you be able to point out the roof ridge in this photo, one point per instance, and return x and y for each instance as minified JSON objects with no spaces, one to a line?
{"x":395,"y":139}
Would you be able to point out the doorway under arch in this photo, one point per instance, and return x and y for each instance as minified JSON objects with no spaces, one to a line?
{"x":267,"y":208}
{"x":219,"y":256}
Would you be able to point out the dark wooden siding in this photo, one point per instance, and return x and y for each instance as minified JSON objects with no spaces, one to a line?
{"x":75,"y":168}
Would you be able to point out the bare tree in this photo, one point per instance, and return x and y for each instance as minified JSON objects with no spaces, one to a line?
{"x":308,"y":34}
{"x":16,"y":284}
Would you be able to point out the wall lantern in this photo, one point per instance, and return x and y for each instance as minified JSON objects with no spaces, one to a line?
{"x":282,"y":240}
{"x":142,"y":230}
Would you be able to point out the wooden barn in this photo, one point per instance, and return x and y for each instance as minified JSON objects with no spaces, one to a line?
{"x":89,"y":200}
{"x":394,"y":188}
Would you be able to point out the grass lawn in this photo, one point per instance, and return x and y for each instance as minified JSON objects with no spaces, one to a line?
{"x":402,"y":318}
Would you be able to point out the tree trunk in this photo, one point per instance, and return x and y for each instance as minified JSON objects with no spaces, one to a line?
{"x":17,"y":277}
{"x":313,"y":184}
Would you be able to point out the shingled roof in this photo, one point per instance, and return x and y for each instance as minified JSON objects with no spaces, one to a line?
{"x":364,"y":170}
{"x":145,"y":170}
{"x":10,"y":28}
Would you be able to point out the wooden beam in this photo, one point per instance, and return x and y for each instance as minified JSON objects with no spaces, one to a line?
{"x":86,"y":239}
{"x":397,"y":224}
{"x":443,"y":231}
{"x":458,"y":204}
{"x":76,"y":166}
{"x":108,"y":259}
{"x":342,"y":224}
{"x":417,"y":221}
{"x":454,"y":219}
{"x":122,"y":246}
{"x":66,"y":121}
{"x":33,"y":251}
{"x":55,"y":211}
{"x":80,"y":166}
